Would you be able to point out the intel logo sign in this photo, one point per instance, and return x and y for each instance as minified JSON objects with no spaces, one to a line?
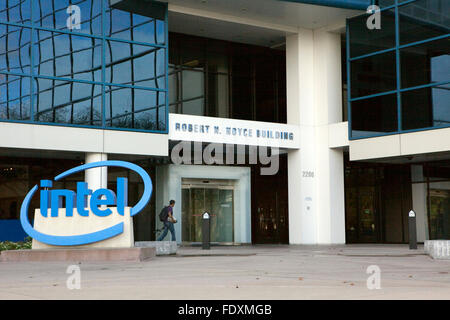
{"x":77,"y":203}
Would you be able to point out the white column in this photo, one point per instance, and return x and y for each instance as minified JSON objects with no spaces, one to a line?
{"x":96,"y":178}
{"x":316,"y":173}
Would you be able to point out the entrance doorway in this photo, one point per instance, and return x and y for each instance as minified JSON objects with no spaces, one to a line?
{"x":377,"y":200}
{"x":213,"y":196}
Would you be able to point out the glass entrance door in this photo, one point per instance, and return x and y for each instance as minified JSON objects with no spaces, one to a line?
{"x":215,"y":198}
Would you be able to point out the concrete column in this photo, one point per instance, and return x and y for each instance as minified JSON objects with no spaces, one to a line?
{"x":316,"y":173}
{"x":96,"y":178}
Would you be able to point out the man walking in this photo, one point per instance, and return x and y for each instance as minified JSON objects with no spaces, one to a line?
{"x":166,"y":216}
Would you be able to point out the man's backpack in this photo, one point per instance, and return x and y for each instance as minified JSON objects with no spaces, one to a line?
{"x":164,"y":214}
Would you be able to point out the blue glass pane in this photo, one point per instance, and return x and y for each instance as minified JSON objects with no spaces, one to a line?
{"x":16,"y":11}
{"x":67,"y":56}
{"x":131,"y":108}
{"x":83,"y":16}
{"x":14,"y":97}
{"x":123,"y":24}
{"x":133,"y":64}
{"x":15,"y":49}
{"x":67,"y":102}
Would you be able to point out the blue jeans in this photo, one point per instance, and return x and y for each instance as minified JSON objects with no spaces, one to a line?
{"x":167,"y":226}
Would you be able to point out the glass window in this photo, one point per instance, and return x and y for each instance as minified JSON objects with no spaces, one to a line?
{"x":386,"y":3}
{"x":242,"y":104}
{"x":373,"y":74}
{"x":193,"y":84}
{"x":138,"y":25}
{"x":194,"y":107}
{"x":14,"y":97}
{"x":426,"y":107}
{"x":133,"y":108}
{"x":139,"y":65}
{"x":374,"y":116}
{"x":364,"y":40}
{"x":67,"y":56}
{"x":67,"y":102}
{"x":15,"y":49}
{"x":84,"y":67}
{"x":218,"y":96}
{"x":217,"y":63}
{"x":425,"y":63}
{"x":423,"y":19}
{"x":265,"y":95}
{"x":83,"y":16}
{"x":15,"y":11}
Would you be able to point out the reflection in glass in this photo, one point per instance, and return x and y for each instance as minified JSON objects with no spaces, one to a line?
{"x":76,"y":70}
{"x":426,"y":107}
{"x":423,"y":19}
{"x":15,"y":49}
{"x":67,"y":56}
{"x":17,"y":11}
{"x":194,"y":107}
{"x":134,"y":108}
{"x":122,"y":24}
{"x":425,"y":63}
{"x":218,"y":202}
{"x":53,"y":15}
{"x":439,"y":207}
{"x":67,"y":102}
{"x":218,"y":99}
{"x":193,"y":84}
{"x":14,"y":97}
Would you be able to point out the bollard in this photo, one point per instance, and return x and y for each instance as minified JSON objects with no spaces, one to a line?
{"x":205,"y":230}
{"x":412,"y":230}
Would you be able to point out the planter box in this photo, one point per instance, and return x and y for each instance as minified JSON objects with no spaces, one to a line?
{"x":437,"y":249}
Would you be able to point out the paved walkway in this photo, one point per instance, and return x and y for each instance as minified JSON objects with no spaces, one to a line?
{"x":241,"y":272}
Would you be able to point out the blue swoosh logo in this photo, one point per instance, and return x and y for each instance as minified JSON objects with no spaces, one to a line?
{"x":94,"y":236}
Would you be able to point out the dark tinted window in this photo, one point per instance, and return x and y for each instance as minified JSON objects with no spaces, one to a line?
{"x":427,"y":107}
{"x":225,"y":79}
{"x":364,"y":40}
{"x":374,"y":74}
{"x":423,"y":19}
{"x":425,"y":63}
{"x":374,"y":116}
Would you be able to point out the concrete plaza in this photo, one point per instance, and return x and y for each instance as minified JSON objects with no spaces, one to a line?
{"x":240,"y":272}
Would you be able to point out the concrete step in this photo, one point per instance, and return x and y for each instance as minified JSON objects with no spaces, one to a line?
{"x":162,"y":247}
{"x":91,"y":254}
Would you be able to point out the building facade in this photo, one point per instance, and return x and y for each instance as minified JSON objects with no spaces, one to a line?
{"x":349,"y":107}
